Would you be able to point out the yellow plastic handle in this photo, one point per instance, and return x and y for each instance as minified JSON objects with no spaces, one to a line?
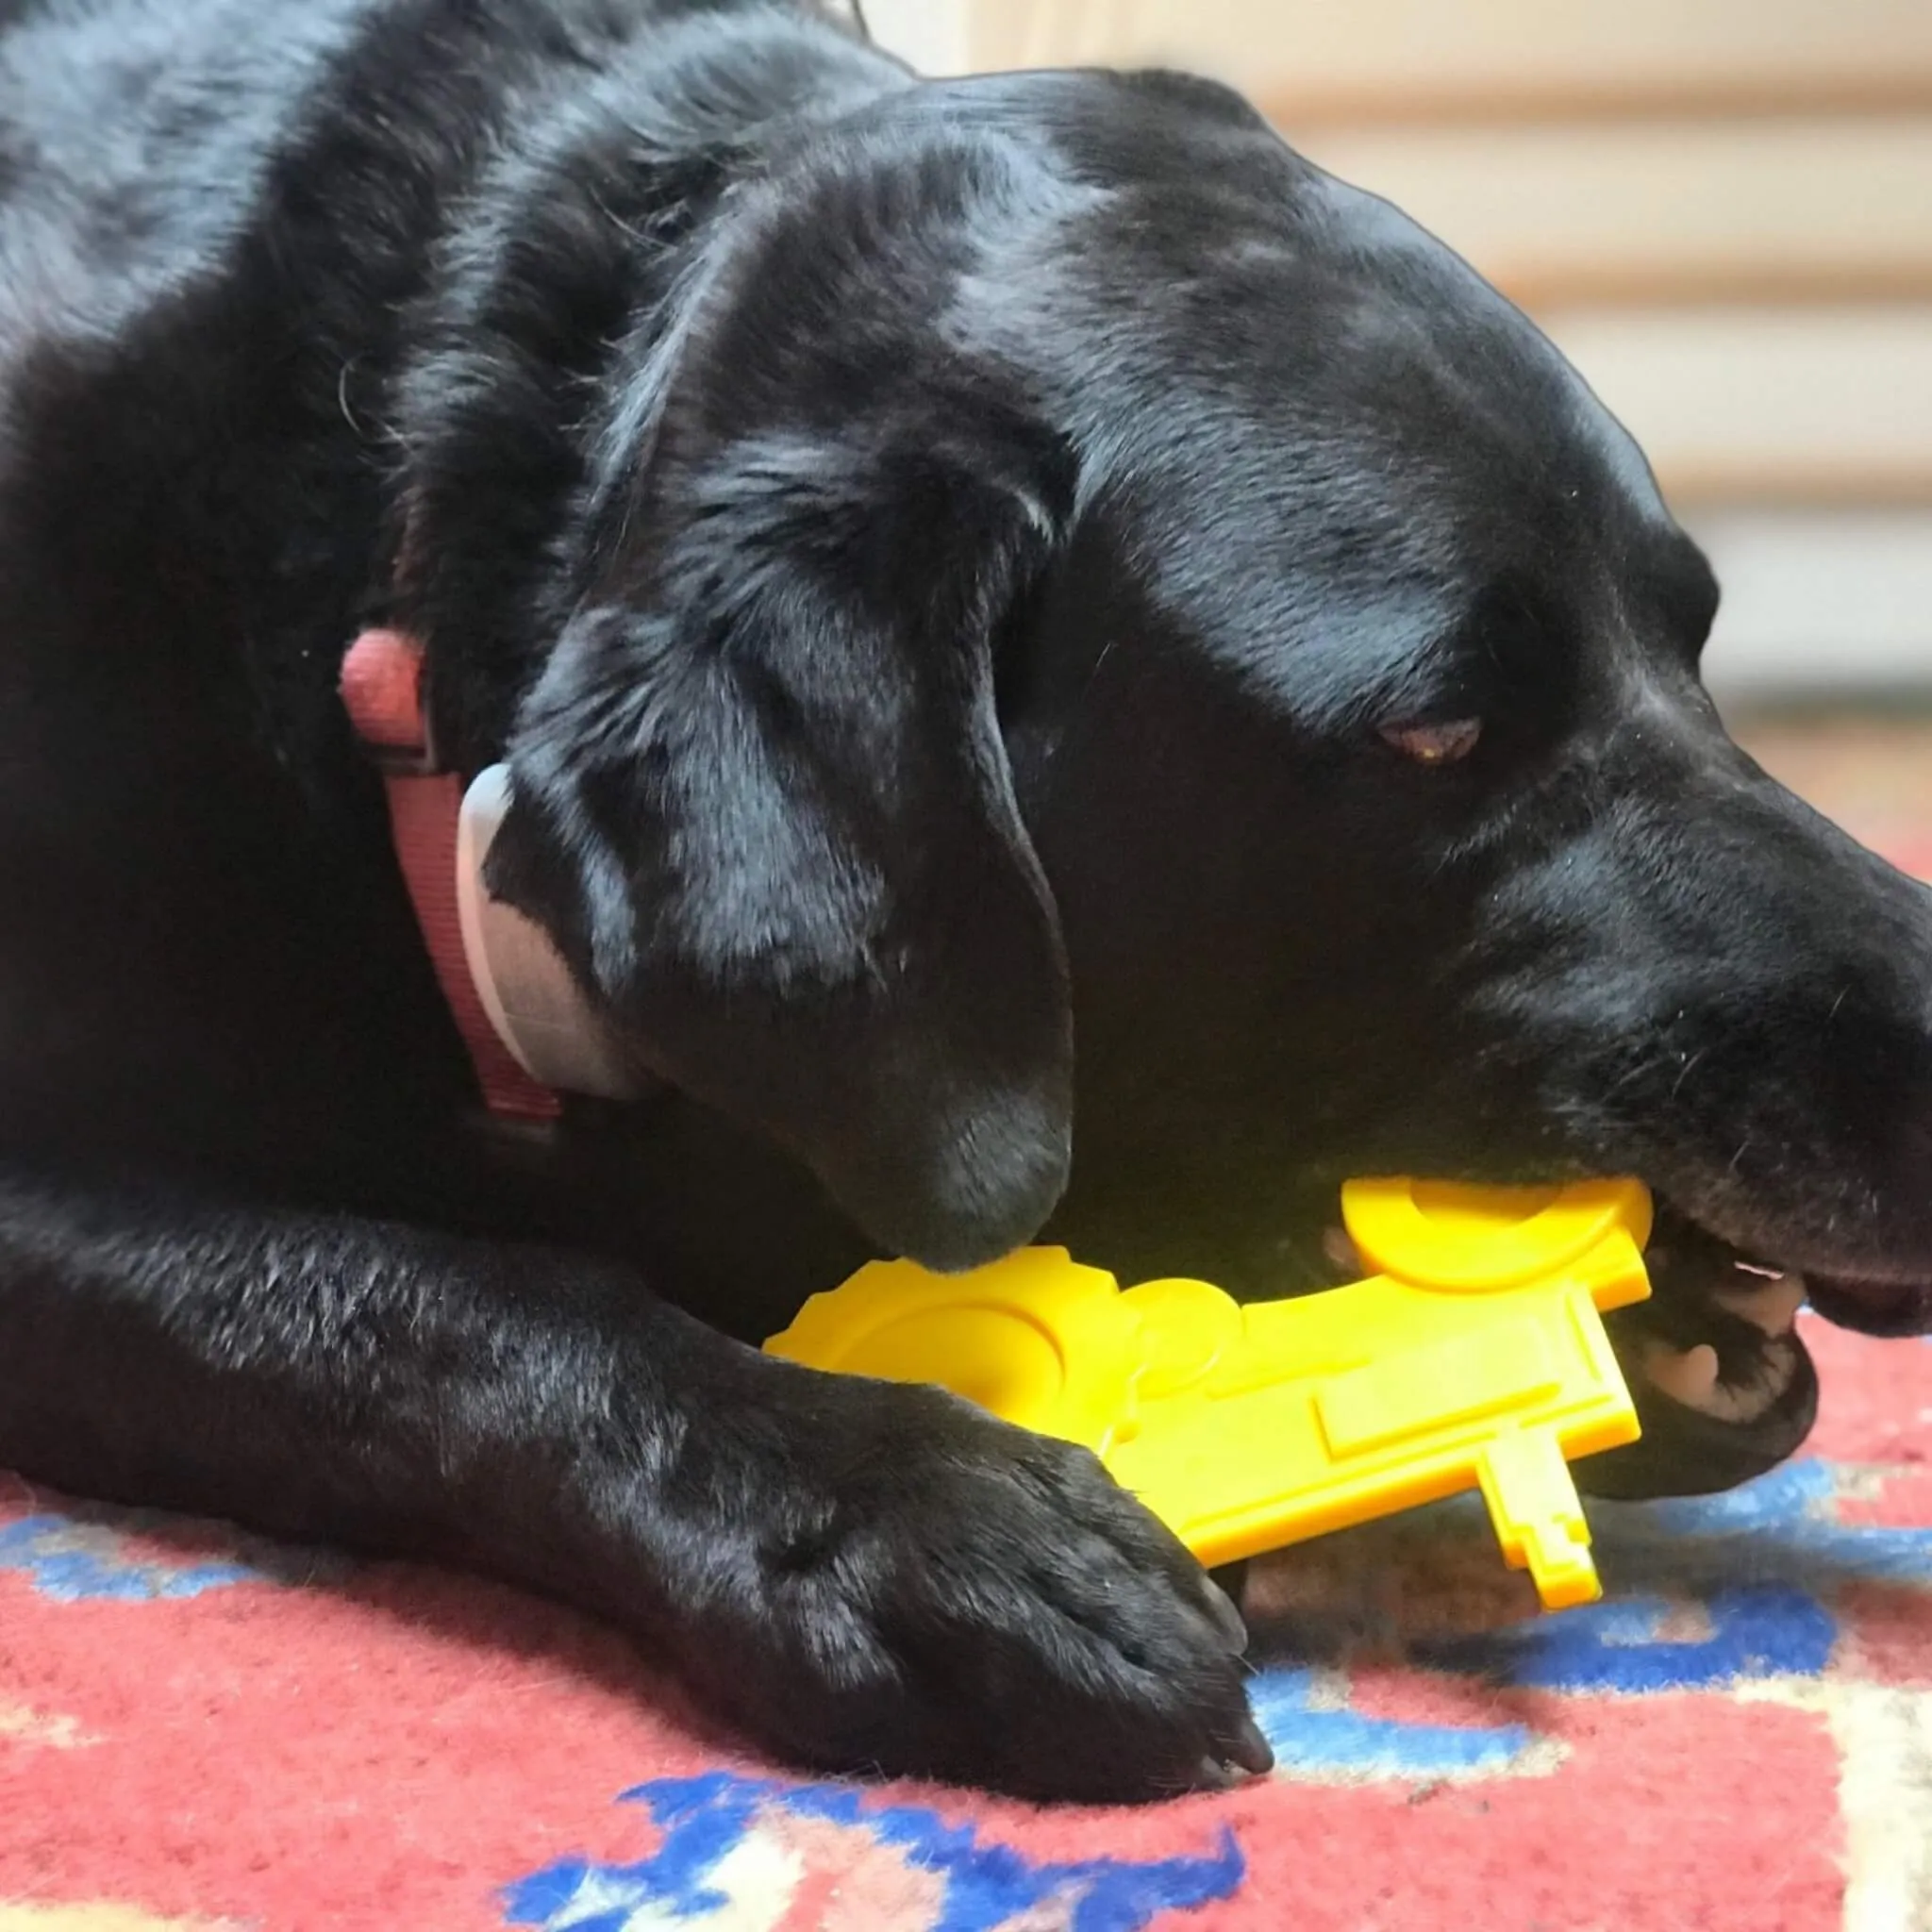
{"x":1477,"y":1357}
{"x":1434,"y":1234}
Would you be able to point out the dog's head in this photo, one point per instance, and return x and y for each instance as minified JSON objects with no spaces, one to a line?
{"x":1106,"y":653}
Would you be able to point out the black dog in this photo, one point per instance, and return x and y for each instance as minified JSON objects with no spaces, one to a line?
{"x":1007,"y":603}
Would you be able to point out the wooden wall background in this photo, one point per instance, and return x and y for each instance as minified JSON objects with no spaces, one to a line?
{"x":1720,"y":209}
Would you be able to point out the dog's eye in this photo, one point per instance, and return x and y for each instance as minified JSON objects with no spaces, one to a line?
{"x":1433,"y":745}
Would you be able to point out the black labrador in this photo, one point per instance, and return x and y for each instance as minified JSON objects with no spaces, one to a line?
{"x":1007,"y":604}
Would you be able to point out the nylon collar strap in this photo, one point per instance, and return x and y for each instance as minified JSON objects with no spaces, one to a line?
{"x":382,"y":688}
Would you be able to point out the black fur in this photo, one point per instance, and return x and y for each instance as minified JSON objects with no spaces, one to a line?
{"x":940,"y":560}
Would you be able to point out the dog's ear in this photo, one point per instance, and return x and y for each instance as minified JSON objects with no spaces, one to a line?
{"x":762,"y":801}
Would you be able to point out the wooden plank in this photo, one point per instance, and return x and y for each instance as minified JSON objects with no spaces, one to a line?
{"x":1726,"y":479}
{"x":1771,"y":212}
{"x":1570,"y":101}
{"x":1768,"y":406}
{"x":934,"y":34}
{"x":1818,"y":598}
{"x":1502,"y":59}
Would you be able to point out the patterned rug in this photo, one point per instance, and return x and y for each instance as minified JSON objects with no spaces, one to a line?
{"x":201,"y":1730}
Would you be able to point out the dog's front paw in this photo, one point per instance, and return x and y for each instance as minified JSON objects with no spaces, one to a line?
{"x":933,"y":1592}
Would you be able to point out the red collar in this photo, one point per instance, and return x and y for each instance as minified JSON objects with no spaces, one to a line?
{"x":382,"y":687}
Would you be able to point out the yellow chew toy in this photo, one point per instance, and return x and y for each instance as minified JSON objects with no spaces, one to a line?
{"x":1477,"y":1357}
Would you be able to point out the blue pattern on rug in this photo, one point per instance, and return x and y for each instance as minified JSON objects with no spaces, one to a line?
{"x":986,"y":1886}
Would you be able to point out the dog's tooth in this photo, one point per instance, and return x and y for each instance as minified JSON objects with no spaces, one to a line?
{"x":1340,"y":1249}
{"x":1771,"y":1304}
{"x":1686,"y":1376}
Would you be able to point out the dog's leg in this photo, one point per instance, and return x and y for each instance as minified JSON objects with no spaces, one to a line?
{"x":858,"y":1573}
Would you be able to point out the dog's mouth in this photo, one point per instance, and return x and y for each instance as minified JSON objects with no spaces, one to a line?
{"x":1873,"y":1308}
{"x":1722,"y":1376}
{"x":1688,"y":1262}
{"x":1724,"y":1383}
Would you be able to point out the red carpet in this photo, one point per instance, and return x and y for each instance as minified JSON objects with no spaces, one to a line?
{"x":199,"y":1730}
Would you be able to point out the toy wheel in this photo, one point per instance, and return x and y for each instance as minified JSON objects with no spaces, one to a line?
{"x":1438,"y":1235}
